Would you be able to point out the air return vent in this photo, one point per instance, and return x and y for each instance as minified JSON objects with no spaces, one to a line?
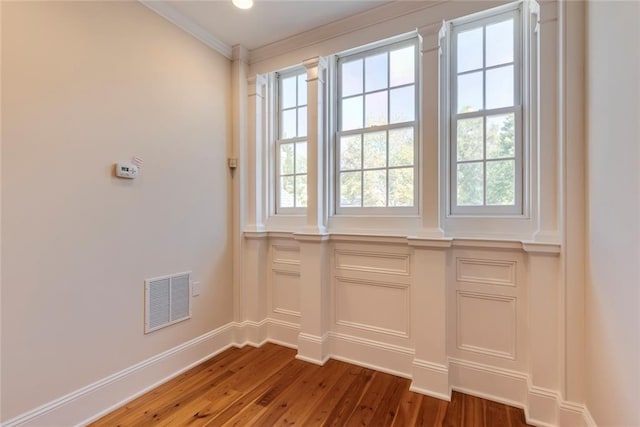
{"x":166,"y":301}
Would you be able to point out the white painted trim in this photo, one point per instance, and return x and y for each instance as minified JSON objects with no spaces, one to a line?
{"x":550,"y":248}
{"x":341,"y":27}
{"x":165,"y":10}
{"x":313,"y":344}
{"x":586,"y":417}
{"x":380,"y":356}
{"x":79,"y":406}
{"x":511,"y":354}
{"x":86,"y":404}
{"x":431,"y":379}
{"x":250,"y":333}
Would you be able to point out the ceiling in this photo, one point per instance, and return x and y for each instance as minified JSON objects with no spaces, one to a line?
{"x":267,"y":22}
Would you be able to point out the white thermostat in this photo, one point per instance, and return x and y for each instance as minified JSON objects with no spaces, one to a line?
{"x":126,"y":170}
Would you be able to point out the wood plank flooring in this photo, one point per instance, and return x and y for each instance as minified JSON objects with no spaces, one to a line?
{"x":267,"y":386}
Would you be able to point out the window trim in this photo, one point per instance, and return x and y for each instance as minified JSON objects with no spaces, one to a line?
{"x":521,"y":110}
{"x":359,"y":53}
{"x":279,"y":141}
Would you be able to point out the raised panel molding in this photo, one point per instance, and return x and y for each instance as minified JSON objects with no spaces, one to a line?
{"x":284,"y":254}
{"x":285,"y":292}
{"x":486,"y":324}
{"x":374,"y":262}
{"x":485,"y":271}
{"x":379,"y":307}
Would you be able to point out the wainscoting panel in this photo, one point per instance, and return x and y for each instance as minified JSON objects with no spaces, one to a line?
{"x":284,"y":281}
{"x":486,"y":324}
{"x":371,"y":292}
{"x":487,"y":307}
{"x":285,"y":254}
{"x":375,"y":262}
{"x":486,"y":271}
{"x":372,"y":306}
{"x":285,"y":297}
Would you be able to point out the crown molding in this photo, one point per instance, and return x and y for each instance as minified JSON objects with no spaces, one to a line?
{"x":172,"y":15}
{"x":340,"y":27}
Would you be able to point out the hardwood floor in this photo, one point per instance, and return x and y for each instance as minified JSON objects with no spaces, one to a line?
{"x":266,"y":386}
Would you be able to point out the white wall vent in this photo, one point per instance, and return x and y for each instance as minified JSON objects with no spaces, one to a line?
{"x":167,"y":301}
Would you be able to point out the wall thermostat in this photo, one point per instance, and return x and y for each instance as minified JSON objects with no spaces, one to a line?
{"x":126,"y":170}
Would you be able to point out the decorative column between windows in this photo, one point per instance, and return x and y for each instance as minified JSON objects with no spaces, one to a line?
{"x":316,"y":145}
{"x":429,"y":126}
{"x":256,"y":156}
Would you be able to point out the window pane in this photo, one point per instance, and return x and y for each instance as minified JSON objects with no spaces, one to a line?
{"x":470,"y":50}
{"x":499,"y":43}
{"x":376,"y":109}
{"x":288,"y":125}
{"x":288,"y":92}
{"x":375,"y":150}
{"x":470,"y":184}
{"x":401,"y":187}
{"x":403,"y":107}
{"x":375,"y":69}
{"x":301,"y":191}
{"x":352,"y":77}
{"x":350,"y":187}
{"x":501,"y":183}
{"x":400,"y":149}
{"x":500,"y":87}
{"x":302,"y":121}
{"x":301,"y":157}
{"x":350,"y":157}
{"x":286,"y":159}
{"x":352,"y":113}
{"x":500,"y":136}
{"x":286,"y":192}
{"x":374,"y":188}
{"x":402,"y":70}
{"x":302,"y":89}
{"x":469,"y":141}
{"x":470,"y":92}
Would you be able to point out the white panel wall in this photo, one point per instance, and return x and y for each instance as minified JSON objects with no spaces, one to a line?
{"x":496,"y":337}
{"x":487,"y":302}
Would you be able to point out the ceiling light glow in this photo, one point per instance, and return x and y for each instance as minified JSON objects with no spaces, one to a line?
{"x":243,"y":4}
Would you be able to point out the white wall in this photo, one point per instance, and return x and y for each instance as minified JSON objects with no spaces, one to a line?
{"x":86,"y":84}
{"x":613,"y":233}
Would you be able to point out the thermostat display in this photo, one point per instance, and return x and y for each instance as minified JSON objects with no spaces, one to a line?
{"x":126,"y":170}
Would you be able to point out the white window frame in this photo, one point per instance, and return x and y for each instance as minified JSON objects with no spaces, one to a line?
{"x":524,"y":104}
{"x":383,"y":46}
{"x":279,"y":141}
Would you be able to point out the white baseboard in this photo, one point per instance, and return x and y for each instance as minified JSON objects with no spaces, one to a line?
{"x":250,"y":333}
{"x":283,"y":333}
{"x":543,"y":408}
{"x":313,"y":349}
{"x":101,"y":397}
{"x":501,"y":385}
{"x":375,"y":355}
{"x":430,"y":379}
{"x":574,"y":414}
{"x":587,"y":419}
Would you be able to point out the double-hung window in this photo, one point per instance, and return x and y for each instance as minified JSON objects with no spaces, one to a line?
{"x":486,"y":115}
{"x":377,"y":133}
{"x":291,"y":143}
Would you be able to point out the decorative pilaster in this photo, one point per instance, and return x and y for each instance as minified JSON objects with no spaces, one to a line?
{"x":257,"y":156}
{"x":545,"y":325}
{"x":430,"y":372}
{"x":429,"y":126}
{"x":316,"y":145}
{"x":314,"y":297}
